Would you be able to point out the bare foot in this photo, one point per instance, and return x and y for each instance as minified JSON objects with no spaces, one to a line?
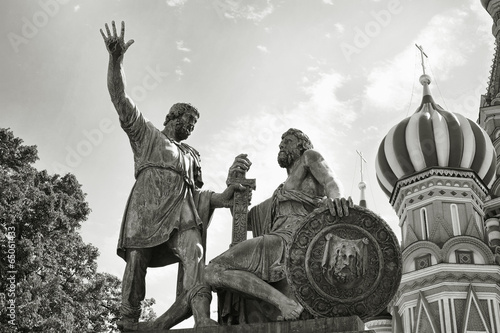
{"x":290,"y":311}
{"x":205,"y":322}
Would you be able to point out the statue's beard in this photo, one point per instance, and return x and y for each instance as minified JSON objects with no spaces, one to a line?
{"x":182,"y":130}
{"x":286,"y":158}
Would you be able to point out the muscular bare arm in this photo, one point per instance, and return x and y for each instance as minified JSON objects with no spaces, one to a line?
{"x":324,"y":175}
{"x":117,"y":47}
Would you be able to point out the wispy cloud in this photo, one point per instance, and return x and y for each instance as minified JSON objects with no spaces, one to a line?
{"x":175,"y":3}
{"x":179,"y":72}
{"x":389,"y":90}
{"x":323,"y":101}
{"x":262,"y":49}
{"x":254,"y":11}
{"x":258,"y":134}
{"x":186,"y":59}
{"x":340,"y":27}
{"x":181,"y":47}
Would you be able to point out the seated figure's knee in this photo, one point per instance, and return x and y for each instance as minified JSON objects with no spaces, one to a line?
{"x":213,"y":275}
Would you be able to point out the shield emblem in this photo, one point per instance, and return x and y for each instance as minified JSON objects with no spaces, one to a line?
{"x":344,"y":260}
{"x":344,"y":266}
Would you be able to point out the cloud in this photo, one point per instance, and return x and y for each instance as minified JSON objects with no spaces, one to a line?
{"x":340,"y":27}
{"x":186,"y":59}
{"x":324,"y":102}
{"x":179,"y":72}
{"x":262,"y":49}
{"x":390,"y":84}
{"x":181,"y":47}
{"x":175,"y":3}
{"x":254,"y":10}
{"x":321,"y":115}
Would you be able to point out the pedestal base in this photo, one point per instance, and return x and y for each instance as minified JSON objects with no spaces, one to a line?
{"x":324,"y":325}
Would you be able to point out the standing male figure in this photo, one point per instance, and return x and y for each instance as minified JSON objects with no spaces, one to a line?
{"x":248,"y":266}
{"x":167,"y":213}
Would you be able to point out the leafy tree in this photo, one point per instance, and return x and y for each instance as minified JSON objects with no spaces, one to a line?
{"x":53,"y":272}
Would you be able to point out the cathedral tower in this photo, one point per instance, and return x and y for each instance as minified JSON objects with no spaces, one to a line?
{"x":437,"y":168}
{"x":489,"y":119}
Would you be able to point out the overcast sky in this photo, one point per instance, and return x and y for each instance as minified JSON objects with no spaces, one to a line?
{"x":344,"y":72}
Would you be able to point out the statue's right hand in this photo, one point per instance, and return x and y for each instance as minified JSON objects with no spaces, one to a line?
{"x":240,"y":166}
{"x":116,"y":44}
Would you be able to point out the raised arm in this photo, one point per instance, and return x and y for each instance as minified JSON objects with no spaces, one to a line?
{"x":117,"y":47}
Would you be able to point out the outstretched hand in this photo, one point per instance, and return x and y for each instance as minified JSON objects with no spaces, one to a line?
{"x":339,"y":206}
{"x":116,"y":44}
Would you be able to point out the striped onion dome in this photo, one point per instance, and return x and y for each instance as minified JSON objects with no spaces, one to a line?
{"x":434,"y":138}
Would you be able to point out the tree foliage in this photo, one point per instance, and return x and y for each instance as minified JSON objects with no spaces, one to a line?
{"x":57,"y":288}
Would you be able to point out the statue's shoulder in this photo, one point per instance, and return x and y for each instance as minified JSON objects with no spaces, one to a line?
{"x":193,"y":151}
{"x":312,"y":154}
{"x":311,"y":157}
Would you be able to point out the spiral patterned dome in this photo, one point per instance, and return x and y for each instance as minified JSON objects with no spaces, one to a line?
{"x":485,"y":3}
{"x":433,"y":137}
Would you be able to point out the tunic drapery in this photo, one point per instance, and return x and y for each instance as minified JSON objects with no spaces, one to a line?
{"x":166,"y":196}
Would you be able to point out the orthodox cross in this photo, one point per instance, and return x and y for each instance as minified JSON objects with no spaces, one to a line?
{"x":362,"y":159}
{"x":422,"y":54}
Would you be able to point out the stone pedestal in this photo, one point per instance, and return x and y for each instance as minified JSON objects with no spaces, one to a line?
{"x":324,"y":325}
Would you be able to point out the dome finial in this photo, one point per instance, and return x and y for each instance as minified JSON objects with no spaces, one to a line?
{"x":422,"y":54}
{"x":362,"y":184}
{"x":425,"y":79}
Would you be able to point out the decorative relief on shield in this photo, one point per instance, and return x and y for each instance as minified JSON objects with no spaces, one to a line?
{"x":342,"y":266}
{"x":344,"y":261}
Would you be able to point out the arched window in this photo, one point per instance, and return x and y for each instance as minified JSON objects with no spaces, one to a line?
{"x":455,"y":220}
{"x":424,"y":223}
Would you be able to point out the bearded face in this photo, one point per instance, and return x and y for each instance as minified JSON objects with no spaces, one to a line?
{"x":287,"y":156}
{"x":183,"y":129}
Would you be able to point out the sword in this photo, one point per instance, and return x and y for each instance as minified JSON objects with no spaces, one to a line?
{"x":241,"y":200}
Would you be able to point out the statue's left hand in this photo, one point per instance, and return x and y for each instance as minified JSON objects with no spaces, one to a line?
{"x":339,"y":206}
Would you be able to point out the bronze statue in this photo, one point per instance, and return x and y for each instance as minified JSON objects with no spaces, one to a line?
{"x":167,"y":214}
{"x":249,"y":266}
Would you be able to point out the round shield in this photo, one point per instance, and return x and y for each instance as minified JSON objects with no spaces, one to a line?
{"x":344,"y":266}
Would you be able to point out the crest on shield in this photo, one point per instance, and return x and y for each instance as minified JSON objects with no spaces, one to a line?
{"x":344,"y":260}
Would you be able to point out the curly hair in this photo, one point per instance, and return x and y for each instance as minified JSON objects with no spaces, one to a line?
{"x":304,"y":141}
{"x":177,"y":110}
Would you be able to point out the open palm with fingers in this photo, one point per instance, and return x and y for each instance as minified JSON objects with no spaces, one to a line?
{"x":116,"y":43}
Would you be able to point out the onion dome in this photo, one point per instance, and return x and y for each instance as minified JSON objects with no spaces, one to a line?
{"x":434,"y":138}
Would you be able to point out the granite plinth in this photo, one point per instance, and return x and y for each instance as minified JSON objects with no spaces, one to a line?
{"x":351,"y":324}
